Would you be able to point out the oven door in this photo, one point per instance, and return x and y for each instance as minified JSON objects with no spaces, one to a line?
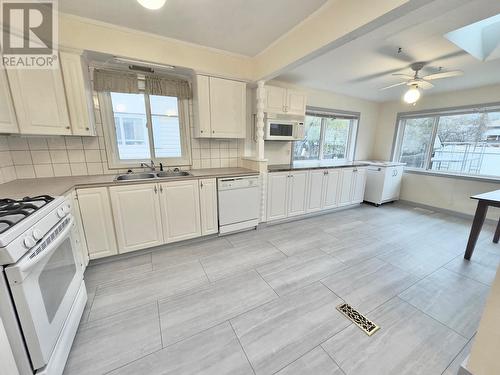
{"x":279,"y":130}
{"x":44,"y":285}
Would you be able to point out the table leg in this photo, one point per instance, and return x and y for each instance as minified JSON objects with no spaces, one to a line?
{"x":496,"y":237}
{"x":477,"y":224}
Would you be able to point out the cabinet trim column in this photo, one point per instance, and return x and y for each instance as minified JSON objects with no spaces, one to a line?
{"x":259,"y":123}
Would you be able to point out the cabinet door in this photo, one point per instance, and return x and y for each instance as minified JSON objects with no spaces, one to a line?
{"x":79,"y":237}
{"x":78,"y":94}
{"x":39,"y":101}
{"x":296,"y":103}
{"x":392,"y":184}
{"x":331,"y":189}
{"x":297,"y":193}
{"x":315,"y":190}
{"x":180,"y":203}
{"x":201,"y":105}
{"x":276,"y":99}
{"x":137,"y":215}
{"x":277,"y":195}
{"x":345,"y":187}
{"x":227,"y":108}
{"x":359,"y":183}
{"x":8,"y":121}
{"x":208,"y":206}
{"x":95,"y":211}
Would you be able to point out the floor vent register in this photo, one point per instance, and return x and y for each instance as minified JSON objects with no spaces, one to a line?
{"x":359,"y":319}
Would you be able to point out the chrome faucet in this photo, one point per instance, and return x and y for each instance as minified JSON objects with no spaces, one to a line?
{"x":152,"y":166}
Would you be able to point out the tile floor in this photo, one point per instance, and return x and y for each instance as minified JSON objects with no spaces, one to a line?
{"x":263,"y":302}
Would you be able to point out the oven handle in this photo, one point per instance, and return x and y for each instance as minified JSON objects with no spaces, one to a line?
{"x":23,"y":267}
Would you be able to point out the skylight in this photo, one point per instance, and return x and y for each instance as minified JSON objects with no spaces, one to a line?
{"x":480,"y":39}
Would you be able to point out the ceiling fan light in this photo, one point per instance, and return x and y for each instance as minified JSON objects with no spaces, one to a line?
{"x":152,"y":4}
{"x":412,"y":95}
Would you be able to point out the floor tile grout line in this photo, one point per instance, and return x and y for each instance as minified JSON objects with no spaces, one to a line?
{"x":159,"y":322}
{"x":296,"y":359}
{"x":242,"y":348}
{"x":205,"y":271}
{"x":334,"y":361}
{"x":460,"y":351}
{"x":468,"y":277}
{"x":262,"y":277}
{"x":133,"y":361}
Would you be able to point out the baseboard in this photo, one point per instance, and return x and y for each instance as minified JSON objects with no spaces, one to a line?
{"x":444,"y":211}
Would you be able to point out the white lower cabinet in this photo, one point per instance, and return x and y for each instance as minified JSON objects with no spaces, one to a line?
{"x":180,"y":205}
{"x":97,"y":220}
{"x":208,"y":206}
{"x":299,"y":192}
{"x":137,"y":216}
{"x":323,"y":189}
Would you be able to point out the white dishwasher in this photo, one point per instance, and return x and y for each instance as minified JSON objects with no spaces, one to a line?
{"x":239,"y":203}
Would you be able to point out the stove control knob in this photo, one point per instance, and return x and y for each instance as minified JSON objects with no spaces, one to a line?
{"x":67,"y":209}
{"x":29,"y":242}
{"x":37,"y":234}
{"x":60,"y":212}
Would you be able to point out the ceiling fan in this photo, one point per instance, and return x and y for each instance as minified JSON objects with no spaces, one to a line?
{"x":417,"y":82}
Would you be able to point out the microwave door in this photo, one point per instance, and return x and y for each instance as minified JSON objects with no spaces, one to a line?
{"x":280,"y":131}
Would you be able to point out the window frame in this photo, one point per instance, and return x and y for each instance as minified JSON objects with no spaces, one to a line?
{"x":354,"y":117}
{"x":114,"y":161}
{"x":437,"y":113}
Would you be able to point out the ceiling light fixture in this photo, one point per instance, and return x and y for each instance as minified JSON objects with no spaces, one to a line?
{"x":412,"y":95}
{"x":152,"y":4}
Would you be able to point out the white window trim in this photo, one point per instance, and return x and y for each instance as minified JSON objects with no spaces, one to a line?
{"x":437,"y":113}
{"x":114,"y":161}
{"x":355,"y":118}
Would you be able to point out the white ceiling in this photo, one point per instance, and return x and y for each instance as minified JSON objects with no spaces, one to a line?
{"x":241,"y":26}
{"x":364,"y":65}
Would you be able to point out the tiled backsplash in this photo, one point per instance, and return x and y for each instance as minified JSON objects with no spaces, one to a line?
{"x":37,"y":156}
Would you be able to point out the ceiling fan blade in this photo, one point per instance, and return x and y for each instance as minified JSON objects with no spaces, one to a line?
{"x":452,"y":73}
{"x":407,"y":76}
{"x":391,"y":86}
{"x":425,"y":85}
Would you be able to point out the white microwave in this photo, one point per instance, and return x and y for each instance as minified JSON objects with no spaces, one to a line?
{"x":284,"y":130}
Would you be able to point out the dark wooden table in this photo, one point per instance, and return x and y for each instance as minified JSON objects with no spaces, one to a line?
{"x":483,"y":202}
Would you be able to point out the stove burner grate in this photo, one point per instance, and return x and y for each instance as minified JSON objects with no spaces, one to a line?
{"x":12,"y":211}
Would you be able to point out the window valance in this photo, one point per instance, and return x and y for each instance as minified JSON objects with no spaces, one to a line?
{"x":156,"y":85}
{"x":115,"y":81}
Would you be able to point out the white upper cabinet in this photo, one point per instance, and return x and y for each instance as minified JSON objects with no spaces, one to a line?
{"x":220,"y":107}
{"x":208,"y":206}
{"x":40,"y":101}
{"x":285,"y":101}
{"x":8,"y":121}
{"x":137,"y":216}
{"x":97,"y":219}
{"x":78,"y":94}
{"x":180,"y":204}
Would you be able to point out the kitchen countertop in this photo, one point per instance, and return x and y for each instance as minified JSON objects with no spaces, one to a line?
{"x":318,"y":165}
{"x":61,"y":185}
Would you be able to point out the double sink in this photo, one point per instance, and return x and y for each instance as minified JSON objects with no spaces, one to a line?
{"x":151,"y":175}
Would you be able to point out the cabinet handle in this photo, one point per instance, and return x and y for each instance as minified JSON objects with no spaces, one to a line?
{"x":201,"y":131}
{"x":156,"y":190}
{"x":161,"y":189}
{"x":213,"y":131}
{"x":201,"y":184}
{"x":87,"y":129}
{"x":67,"y":127}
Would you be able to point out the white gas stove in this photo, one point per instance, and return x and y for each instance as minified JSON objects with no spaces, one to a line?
{"x":42,"y":293}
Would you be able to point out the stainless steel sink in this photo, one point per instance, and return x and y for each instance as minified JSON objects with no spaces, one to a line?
{"x":170,"y":174}
{"x":135,"y":176}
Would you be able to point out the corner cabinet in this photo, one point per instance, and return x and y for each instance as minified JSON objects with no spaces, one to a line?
{"x":137,"y":216}
{"x":285,"y":101}
{"x":39,"y":100}
{"x":219,"y":107}
{"x":97,"y":220}
{"x":8,"y":120}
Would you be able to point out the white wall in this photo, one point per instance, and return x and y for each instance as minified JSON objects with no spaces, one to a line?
{"x":448,"y":193}
{"x":279,"y":152}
